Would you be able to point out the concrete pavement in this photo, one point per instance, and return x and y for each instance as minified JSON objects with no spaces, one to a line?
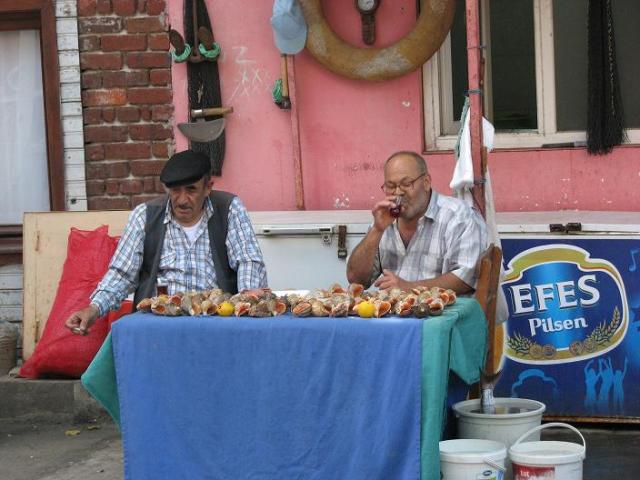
{"x":41,"y":451}
{"x":34,"y":418}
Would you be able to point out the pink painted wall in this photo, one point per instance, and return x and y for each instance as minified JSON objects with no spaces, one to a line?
{"x":348,"y":128}
{"x":550,"y":180}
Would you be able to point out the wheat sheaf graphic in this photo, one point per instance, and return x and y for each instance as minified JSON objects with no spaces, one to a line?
{"x":604,"y":332}
{"x":519,"y":344}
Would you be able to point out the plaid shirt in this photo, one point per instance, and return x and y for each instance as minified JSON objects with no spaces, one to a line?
{"x":450,"y":238}
{"x":183,"y":267}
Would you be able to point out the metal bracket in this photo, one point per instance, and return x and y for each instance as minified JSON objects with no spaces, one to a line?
{"x":568,"y":228}
{"x":325,"y":234}
{"x":342,"y":242}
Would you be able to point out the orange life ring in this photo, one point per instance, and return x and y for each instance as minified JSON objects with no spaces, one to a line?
{"x":404,"y":56}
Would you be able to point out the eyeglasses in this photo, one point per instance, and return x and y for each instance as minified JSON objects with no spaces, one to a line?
{"x":405,"y":185}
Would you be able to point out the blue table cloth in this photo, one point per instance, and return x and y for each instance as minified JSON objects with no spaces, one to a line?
{"x":284,"y":397}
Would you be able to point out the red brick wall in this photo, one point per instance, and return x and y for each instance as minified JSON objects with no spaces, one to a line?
{"x":126,"y":99}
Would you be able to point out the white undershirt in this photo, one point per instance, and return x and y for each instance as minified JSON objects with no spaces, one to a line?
{"x":191,"y":232}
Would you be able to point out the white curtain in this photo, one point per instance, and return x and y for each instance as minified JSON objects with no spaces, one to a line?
{"x":24,"y":184}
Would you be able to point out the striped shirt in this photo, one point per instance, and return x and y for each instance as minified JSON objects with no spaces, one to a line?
{"x":450,"y":238}
{"x":184,"y":265}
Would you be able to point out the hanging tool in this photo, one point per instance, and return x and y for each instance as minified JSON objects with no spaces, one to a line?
{"x":181,"y":50}
{"x":342,"y":242}
{"x":207,"y":135}
{"x":285,"y":104}
{"x":289,"y":35}
{"x":207,"y":50}
{"x":204,"y":130}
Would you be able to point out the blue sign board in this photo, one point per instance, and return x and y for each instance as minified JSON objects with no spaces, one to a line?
{"x":572,"y":340}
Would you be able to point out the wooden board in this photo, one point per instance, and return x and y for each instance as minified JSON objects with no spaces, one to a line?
{"x":44,"y":252}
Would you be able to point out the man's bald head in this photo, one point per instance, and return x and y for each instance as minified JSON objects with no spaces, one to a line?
{"x":420,"y":164}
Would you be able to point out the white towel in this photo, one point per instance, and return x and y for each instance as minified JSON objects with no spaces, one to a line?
{"x":462,"y":184}
{"x":462,"y":180}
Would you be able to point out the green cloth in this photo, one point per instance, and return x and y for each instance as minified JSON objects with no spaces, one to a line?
{"x":100,"y":380}
{"x":454,"y":341}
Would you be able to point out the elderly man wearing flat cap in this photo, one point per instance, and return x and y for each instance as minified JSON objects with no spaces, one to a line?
{"x":191,"y":239}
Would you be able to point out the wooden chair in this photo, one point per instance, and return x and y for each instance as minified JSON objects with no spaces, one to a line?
{"x":488,"y":269}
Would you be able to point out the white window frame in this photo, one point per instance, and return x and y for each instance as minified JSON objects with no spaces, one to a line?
{"x":437,"y":85}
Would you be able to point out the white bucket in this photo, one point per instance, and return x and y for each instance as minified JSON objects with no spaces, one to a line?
{"x":501,"y":427}
{"x":472,"y":459}
{"x":547,"y":460}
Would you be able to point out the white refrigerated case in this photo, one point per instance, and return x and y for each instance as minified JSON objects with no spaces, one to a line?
{"x":303,"y":250}
{"x":308,"y":249}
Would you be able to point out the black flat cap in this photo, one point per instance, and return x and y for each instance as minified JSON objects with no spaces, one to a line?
{"x":185,"y":168}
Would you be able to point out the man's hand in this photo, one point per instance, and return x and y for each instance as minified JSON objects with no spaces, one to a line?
{"x":381,"y":216}
{"x":388,"y":279}
{"x":81,"y":320}
{"x":361,"y":261}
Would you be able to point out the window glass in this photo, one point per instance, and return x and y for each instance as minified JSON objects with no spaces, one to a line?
{"x":571,"y":62}
{"x":513,"y":74}
{"x":459,"y":71}
{"x":570,"y":45}
{"x":625,"y":22}
{"x":24,"y":184}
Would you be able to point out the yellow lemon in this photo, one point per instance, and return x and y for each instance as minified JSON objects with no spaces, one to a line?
{"x":225,"y":309}
{"x":366,"y":309}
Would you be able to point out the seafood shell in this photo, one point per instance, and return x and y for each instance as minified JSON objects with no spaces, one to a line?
{"x":319,"y":309}
{"x":356,"y":289}
{"x":452,"y":297}
{"x":281,"y":307}
{"x":159,"y":304}
{"x":208,"y":307}
{"x":218,"y":298}
{"x":144,"y":305}
{"x":420,"y":310}
{"x":340,"y":310}
{"x":264,"y":308}
{"x":195,"y":310}
{"x":242,"y":308}
{"x":382,"y":307}
{"x":173,"y":310}
{"x":302,"y":309}
{"x":436,"y":307}
{"x":403,"y":307}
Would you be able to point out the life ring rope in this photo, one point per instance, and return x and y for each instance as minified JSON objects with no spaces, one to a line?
{"x":407,"y":54}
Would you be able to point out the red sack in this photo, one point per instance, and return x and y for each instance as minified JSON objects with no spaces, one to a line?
{"x":60,"y":352}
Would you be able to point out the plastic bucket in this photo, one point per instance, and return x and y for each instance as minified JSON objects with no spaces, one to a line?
{"x":472,"y":459}
{"x":547,"y":460}
{"x":501,"y":427}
